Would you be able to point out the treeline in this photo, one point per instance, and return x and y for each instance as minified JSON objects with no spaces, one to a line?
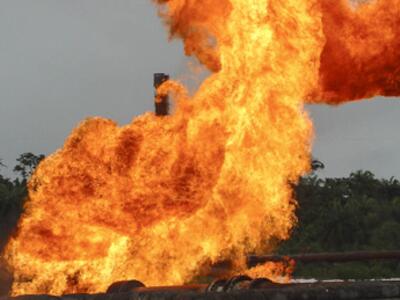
{"x":13,"y":193}
{"x":356,"y":213}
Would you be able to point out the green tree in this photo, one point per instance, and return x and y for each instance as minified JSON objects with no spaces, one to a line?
{"x":14,"y":192}
{"x":27,"y":163}
{"x":358,"y":212}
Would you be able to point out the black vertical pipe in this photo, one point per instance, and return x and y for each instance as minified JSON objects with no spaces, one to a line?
{"x":161,"y":102}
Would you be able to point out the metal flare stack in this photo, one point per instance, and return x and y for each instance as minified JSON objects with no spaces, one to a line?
{"x":161,"y":102}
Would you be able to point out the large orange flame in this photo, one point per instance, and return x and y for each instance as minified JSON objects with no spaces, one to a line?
{"x":159,"y":198}
{"x":361,"y":58}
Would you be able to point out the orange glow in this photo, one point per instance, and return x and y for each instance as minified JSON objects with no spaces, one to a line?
{"x":161,"y":198}
{"x":361,"y":58}
{"x":279,"y":272}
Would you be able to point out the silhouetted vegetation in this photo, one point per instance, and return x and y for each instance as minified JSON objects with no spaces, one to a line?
{"x":359,"y":212}
{"x":13,"y":193}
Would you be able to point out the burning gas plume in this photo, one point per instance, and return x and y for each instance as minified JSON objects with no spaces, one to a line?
{"x":361,"y":57}
{"x":158,"y":199}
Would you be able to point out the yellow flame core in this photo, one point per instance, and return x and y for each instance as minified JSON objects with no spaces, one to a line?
{"x":161,"y":197}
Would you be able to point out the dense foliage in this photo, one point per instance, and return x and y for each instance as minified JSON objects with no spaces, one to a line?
{"x":359,"y":212}
{"x":14,"y":192}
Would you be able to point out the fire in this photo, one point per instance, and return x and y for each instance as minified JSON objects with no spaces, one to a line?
{"x":160,"y":198}
{"x":361,"y":56}
{"x":279,"y":272}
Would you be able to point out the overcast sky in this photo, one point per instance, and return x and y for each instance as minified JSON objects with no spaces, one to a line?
{"x":64,"y":60}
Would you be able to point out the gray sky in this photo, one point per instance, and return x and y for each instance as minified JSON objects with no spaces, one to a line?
{"x":64,"y":60}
